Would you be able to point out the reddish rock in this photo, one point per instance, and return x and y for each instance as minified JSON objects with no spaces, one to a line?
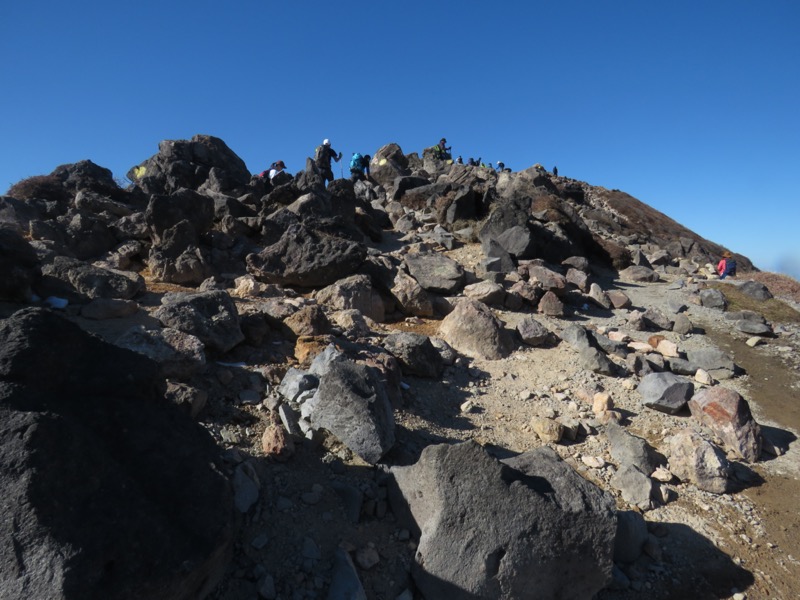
{"x":550,"y":305}
{"x":728,"y":416}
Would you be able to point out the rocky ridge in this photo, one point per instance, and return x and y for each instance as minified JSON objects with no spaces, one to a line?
{"x":338,"y":344}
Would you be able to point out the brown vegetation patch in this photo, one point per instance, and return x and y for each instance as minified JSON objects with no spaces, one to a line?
{"x":45,"y":187}
{"x":774,"y":309}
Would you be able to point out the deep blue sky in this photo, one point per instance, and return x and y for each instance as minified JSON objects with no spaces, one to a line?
{"x":692,"y":107}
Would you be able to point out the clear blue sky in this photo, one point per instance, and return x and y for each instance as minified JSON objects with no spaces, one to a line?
{"x":692,"y":107}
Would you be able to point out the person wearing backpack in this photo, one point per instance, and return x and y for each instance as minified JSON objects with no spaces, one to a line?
{"x":322,"y":160}
{"x":442,"y":151}
{"x":727,"y":266}
{"x":359,"y":167}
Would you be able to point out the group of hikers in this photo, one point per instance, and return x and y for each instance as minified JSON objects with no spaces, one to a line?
{"x":359,"y":163}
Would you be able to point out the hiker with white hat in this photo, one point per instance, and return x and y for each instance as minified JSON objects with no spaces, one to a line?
{"x":322,"y":159}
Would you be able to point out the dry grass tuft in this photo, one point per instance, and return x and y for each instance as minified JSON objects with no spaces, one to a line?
{"x":776,"y":310}
{"x":45,"y":187}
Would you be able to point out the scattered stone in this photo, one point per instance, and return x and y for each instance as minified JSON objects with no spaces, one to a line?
{"x":713,"y":298}
{"x":548,"y":430}
{"x":533,"y":332}
{"x":698,"y":461}
{"x":473,"y":330}
{"x":665,"y":392}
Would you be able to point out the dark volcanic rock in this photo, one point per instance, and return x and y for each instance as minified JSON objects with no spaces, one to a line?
{"x":210,"y":316}
{"x":18,"y":265}
{"x":78,"y":280}
{"x":109,"y":490}
{"x":436,"y":272}
{"x":307,"y":258}
{"x":476,"y":519}
{"x":352,"y":404}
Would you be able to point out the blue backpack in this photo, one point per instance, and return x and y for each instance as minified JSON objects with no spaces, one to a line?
{"x":730,"y":267}
{"x":356,"y":162}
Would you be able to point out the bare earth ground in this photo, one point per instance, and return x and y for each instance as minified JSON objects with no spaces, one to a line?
{"x":708,"y":546}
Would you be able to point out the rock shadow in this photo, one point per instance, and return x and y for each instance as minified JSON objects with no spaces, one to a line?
{"x":691,"y":566}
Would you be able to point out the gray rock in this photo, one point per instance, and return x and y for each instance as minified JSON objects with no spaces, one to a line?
{"x":180,"y":354}
{"x":754,"y":328}
{"x":80,"y":281}
{"x":352,"y":404}
{"x":755,"y":290}
{"x":295,"y":382}
{"x":595,"y":361}
{"x":210,"y":316}
{"x":628,"y":449}
{"x":354,"y":292}
{"x":713,"y":298}
{"x":473,"y":330}
{"x":682,"y":324}
{"x":436,"y":272}
{"x":576,"y":336}
{"x":698,"y":461}
{"x":345,"y":584}
{"x":474,"y":516}
{"x":635,"y":486}
{"x":307,"y":258}
{"x":665,"y":392}
{"x":654,"y":318}
{"x":416,"y":354}
{"x":717,"y":363}
{"x":631,"y":536}
{"x":487,"y":292}
{"x":84,"y":432}
{"x":246,"y":487}
{"x":637,"y":273}
{"x":532,"y":332}
{"x":410,"y":296}
{"x":599,"y":297}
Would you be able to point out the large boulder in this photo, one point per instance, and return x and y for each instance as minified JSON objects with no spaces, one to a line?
{"x":472,"y":329}
{"x":728,"y":416}
{"x":693,"y":458}
{"x":307,"y":258}
{"x":352,"y":404}
{"x":354,"y":292}
{"x":416,"y":354}
{"x":202,"y":163}
{"x":436,"y":272}
{"x":531,"y":528}
{"x":80,"y":281}
{"x":90,"y":506}
{"x":210,"y":316}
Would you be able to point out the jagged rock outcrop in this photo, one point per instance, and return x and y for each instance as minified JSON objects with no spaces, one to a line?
{"x":476,"y":518}
{"x":118,"y":529}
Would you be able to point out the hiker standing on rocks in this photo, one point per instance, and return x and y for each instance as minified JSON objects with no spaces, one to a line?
{"x":555,"y":171}
{"x":322,"y":159}
{"x":359,"y":167}
{"x":726,"y":266}
{"x":442,"y":151}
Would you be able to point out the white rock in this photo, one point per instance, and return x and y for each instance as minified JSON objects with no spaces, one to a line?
{"x":754,"y":341}
{"x":595,"y":462}
{"x":702,"y":376}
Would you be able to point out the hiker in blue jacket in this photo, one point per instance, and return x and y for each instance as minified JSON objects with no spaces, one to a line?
{"x":322,"y":160}
{"x":359,"y":167}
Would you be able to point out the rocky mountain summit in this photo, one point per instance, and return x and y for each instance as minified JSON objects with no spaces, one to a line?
{"x":437,"y":382}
